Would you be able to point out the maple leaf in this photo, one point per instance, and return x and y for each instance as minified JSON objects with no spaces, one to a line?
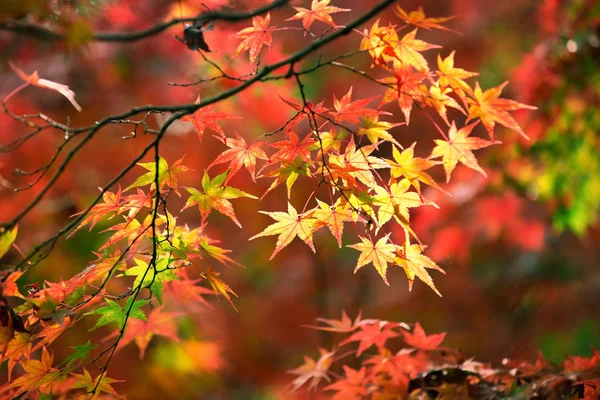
{"x":418,"y":19}
{"x":372,"y":334}
{"x":113,"y":312}
{"x":380,"y":254}
{"x":101,"y":384}
{"x":438,"y":98}
{"x":348,"y":110}
{"x":158,"y":323}
{"x":100,"y":269}
{"x":449,"y":76}
{"x":215,"y":196}
{"x":458,"y":148}
{"x":412,"y":168}
{"x":39,"y":375}
{"x":288,"y":226}
{"x":353,"y":386}
{"x":333,"y":217}
{"x":7,"y":238}
{"x":112,"y":203}
{"x":408,"y":51}
{"x":376,"y":130}
{"x":20,"y":346}
{"x":218,"y":285}
{"x":415,"y":264}
{"x":288,"y":173}
{"x":206,"y":117}
{"x":320,"y":10}
{"x":404,"y":88}
{"x":187,"y":291}
{"x":312,"y":370}
{"x":356,"y":163}
{"x":343,"y":325}
{"x":239,"y":154}
{"x":303,"y":111}
{"x":255,"y":37}
{"x":420,"y":340}
{"x":10,"y":287}
{"x":34,"y":79}
{"x":292,"y":148}
{"x":167,"y":176}
{"x":130,"y":230}
{"x":134,"y":203}
{"x":380,"y":42}
{"x":396,"y":201}
{"x":151,"y":276}
{"x":490,"y":108}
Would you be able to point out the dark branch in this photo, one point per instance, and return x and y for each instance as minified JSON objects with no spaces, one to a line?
{"x":46,"y":34}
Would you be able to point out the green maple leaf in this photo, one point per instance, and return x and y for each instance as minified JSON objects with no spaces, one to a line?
{"x":166,"y":175}
{"x":113,"y":312}
{"x":215,"y":196}
{"x":150,"y":277}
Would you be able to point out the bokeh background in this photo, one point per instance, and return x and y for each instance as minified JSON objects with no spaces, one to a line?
{"x":520,"y":248}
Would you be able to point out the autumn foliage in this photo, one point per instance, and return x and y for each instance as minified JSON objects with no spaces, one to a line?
{"x":338,"y":166}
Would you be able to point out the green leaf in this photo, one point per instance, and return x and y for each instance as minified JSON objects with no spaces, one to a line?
{"x":113,"y":312}
{"x":6,"y":240}
{"x":149,"y":177}
{"x":150,"y":277}
{"x":81,"y":353}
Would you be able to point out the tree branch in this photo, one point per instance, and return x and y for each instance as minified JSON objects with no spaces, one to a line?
{"x":42,"y":33}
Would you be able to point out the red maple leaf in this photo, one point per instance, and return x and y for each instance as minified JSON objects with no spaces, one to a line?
{"x":240,"y":154}
{"x":372,"y":334}
{"x":292,"y":148}
{"x":348,"y":110}
{"x":255,"y":37}
{"x":420,"y":340}
{"x":206,"y":117}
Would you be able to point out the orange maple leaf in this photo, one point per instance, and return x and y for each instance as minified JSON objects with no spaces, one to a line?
{"x":458,"y":148}
{"x":206,"y":117}
{"x":240,"y":154}
{"x":218,"y":285}
{"x":420,"y":340}
{"x":313,"y":370}
{"x":158,"y":323}
{"x":403,"y":87}
{"x":292,"y":148}
{"x":372,"y":334}
{"x":348,"y":110}
{"x":380,"y":254}
{"x":39,"y":375}
{"x":344,"y":324}
{"x":255,"y":37}
{"x":353,"y":386}
{"x":490,"y":108}
{"x":288,"y":226}
{"x":418,"y":18}
{"x":9,"y":286}
{"x":319,"y":11}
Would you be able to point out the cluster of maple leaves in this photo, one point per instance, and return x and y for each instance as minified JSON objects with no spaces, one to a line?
{"x":423,"y":369}
{"x":344,"y":149}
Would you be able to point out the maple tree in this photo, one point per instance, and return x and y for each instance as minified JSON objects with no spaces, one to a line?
{"x":346,"y":160}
